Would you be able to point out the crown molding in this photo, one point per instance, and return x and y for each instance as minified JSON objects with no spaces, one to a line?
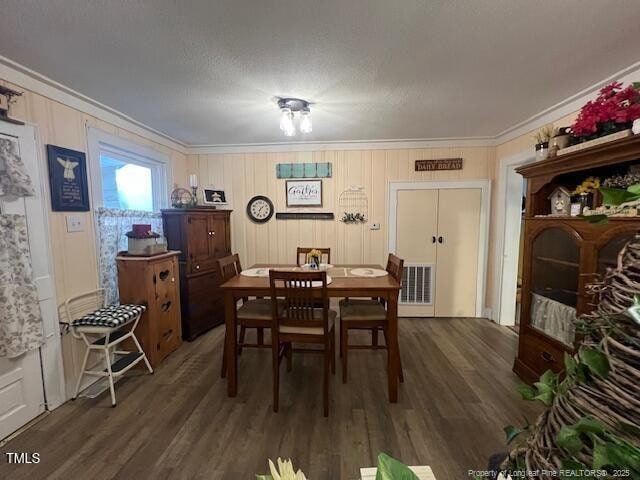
{"x":33,"y":81}
{"x":568,"y":105}
{"x":391,"y":144}
{"x":28,"y":79}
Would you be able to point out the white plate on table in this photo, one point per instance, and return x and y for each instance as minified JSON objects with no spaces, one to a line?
{"x":256,"y":272}
{"x":368,"y":272}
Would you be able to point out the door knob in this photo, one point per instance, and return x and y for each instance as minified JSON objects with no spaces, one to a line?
{"x":439,"y":239}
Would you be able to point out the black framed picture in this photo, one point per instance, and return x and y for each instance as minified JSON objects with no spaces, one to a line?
{"x":68,"y":179}
{"x":210,"y":196}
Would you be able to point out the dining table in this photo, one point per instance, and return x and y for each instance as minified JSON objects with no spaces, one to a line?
{"x":343,"y":284}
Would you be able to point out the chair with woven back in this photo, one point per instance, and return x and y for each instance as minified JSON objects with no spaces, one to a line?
{"x":367,"y":314}
{"x":254,"y":313}
{"x":302,"y":252}
{"x":300,"y":321}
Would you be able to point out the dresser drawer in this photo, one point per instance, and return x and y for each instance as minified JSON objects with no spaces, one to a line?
{"x":540,"y":355}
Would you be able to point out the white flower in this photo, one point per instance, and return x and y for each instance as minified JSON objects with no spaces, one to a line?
{"x":286,"y":471}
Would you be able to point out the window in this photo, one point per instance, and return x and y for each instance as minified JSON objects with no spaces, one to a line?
{"x":127,"y":176}
{"x":125,"y":185}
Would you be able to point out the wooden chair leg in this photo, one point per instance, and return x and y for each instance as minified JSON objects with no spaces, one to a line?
{"x":275,"y":354}
{"x":374,"y":337}
{"x":243,"y":332}
{"x":344,"y":342}
{"x":400,"y":372}
{"x":327,"y":366}
{"x":333,"y":351}
{"x":260,"y":335}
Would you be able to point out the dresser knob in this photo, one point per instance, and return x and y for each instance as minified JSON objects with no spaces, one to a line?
{"x":547,"y":357}
{"x":197,"y":267}
{"x":213,"y":234}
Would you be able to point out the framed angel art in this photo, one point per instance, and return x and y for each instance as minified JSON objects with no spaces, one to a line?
{"x":67,"y":179}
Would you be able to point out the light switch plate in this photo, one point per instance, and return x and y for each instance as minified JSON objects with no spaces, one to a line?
{"x":74,"y":223}
{"x":374,"y":226}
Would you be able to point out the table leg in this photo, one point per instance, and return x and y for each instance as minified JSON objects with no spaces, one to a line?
{"x":393,"y":354}
{"x":230,"y":338}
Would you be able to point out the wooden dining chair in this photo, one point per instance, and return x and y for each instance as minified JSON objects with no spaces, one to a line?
{"x":367,"y":314}
{"x":301,"y":255}
{"x":254,"y":313}
{"x":301,"y":322}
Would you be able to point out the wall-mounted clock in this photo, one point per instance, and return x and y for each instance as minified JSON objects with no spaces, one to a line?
{"x":260,"y":209}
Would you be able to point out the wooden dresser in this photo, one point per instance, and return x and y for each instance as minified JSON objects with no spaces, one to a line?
{"x":202,"y":235}
{"x":153,"y":281}
{"x":562,"y":255}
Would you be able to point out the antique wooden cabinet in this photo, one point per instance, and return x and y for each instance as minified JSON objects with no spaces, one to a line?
{"x":153,"y":281}
{"x":563,"y":254}
{"x":202,"y":235}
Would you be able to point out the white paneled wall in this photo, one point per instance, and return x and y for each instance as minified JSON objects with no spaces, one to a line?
{"x":245,"y":175}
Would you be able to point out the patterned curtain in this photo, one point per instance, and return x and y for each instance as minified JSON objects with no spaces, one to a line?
{"x":20,"y":318}
{"x":112,"y":226}
{"x":14,"y":180}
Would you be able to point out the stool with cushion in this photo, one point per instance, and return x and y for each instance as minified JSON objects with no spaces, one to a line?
{"x":301,"y":322}
{"x":367,"y":314}
{"x":103,"y":330}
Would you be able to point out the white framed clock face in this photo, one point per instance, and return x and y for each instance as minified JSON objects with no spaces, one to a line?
{"x":260,"y":209}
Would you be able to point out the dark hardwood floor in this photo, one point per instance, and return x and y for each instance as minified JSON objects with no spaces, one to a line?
{"x":458,"y":394}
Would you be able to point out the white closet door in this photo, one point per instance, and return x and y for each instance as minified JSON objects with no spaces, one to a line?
{"x":458,"y":250}
{"x":21,"y":389}
{"x":416,"y":227}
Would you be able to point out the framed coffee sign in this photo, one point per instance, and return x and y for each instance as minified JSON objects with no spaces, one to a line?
{"x":438,"y":164}
{"x":304,"y":193}
{"x":68,"y":180}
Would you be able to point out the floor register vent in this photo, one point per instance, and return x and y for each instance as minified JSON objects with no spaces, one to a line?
{"x":417,"y":284}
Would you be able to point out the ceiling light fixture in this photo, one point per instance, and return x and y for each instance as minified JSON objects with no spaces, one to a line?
{"x":290,"y":108}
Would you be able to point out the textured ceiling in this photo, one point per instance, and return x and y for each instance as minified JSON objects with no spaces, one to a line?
{"x":206,"y":72}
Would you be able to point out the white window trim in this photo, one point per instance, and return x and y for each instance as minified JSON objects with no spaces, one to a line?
{"x":121,"y":148}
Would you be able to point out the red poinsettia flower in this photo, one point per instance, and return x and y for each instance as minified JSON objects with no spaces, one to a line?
{"x":613,"y":105}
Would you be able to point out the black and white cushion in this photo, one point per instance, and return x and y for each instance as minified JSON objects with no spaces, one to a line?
{"x":112,"y":316}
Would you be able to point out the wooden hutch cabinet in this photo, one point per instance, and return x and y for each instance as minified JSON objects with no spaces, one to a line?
{"x":563,"y":254}
{"x":202,"y":235}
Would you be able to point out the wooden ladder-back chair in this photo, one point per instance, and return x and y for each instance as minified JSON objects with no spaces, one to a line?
{"x":364,"y":314}
{"x":254,"y":313}
{"x":301,"y":255}
{"x":300,"y":321}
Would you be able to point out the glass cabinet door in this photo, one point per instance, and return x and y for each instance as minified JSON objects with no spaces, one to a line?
{"x":555,"y":272}
{"x":608,"y":253}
